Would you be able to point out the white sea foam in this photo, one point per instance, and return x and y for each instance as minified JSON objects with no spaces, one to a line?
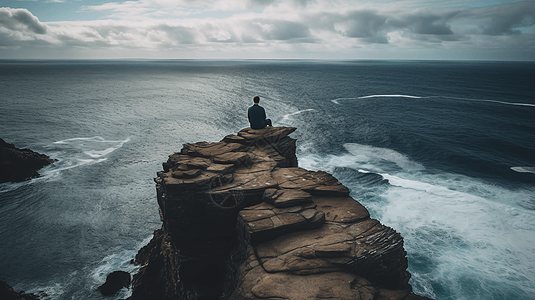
{"x":77,"y":152}
{"x":11,"y":186}
{"x":462,"y":235}
{"x":336,"y":101}
{"x":378,"y":155}
{"x":491,"y":101}
{"x":389,"y":96}
{"x":474,"y":233}
{"x":287,"y":116}
{"x":524,"y":169}
{"x":120,"y":261}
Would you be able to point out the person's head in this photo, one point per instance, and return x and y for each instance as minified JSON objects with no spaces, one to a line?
{"x":256,"y":99}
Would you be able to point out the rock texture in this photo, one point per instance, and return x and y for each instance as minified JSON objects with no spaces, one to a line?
{"x":242,"y":221}
{"x":20,"y":164}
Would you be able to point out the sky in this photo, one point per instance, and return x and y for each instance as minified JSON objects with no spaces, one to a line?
{"x":268,"y":29}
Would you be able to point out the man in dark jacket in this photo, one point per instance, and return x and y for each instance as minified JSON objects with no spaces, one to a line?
{"x":257,"y":115}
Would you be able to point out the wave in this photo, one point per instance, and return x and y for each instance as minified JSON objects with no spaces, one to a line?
{"x":120,"y":261}
{"x":455,"y":227}
{"x":81,"y":283}
{"x":390,"y":96}
{"x":524,"y":169}
{"x":378,"y":156}
{"x":487,"y":100}
{"x":336,"y":101}
{"x":287,"y":116}
{"x":76,"y":152}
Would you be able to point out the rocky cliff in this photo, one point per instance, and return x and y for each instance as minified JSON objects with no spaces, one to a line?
{"x":20,"y":164}
{"x":242,"y":221}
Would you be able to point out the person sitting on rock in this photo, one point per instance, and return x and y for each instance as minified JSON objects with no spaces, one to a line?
{"x":257,"y":115}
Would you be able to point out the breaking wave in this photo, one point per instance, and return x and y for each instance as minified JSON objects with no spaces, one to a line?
{"x":76,"y":152}
{"x":460,"y":236}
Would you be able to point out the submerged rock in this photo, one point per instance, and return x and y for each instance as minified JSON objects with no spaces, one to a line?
{"x":20,"y":164}
{"x":114,"y":282}
{"x":242,"y":221}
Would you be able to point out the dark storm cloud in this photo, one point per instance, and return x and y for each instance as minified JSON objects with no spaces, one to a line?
{"x":20,"y":20}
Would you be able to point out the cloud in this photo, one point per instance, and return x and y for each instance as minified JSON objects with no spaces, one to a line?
{"x":279,"y":29}
{"x":317,"y":26}
{"x":20,"y":20}
{"x":504,"y":19}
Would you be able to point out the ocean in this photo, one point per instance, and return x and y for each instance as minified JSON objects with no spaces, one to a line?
{"x":442,"y":151}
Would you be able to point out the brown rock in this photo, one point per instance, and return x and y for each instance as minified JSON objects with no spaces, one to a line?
{"x":221,"y":168}
{"x":264,"y":221}
{"x":209,"y":150}
{"x":286,"y":197}
{"x":185,"y":162}
{"x":186,"y":174}
{"x":231,"y":138}
{"x":238,"y":159}
{"x":315,"y":183}
{"x":268,"y":135}
{"x":242,"y":221}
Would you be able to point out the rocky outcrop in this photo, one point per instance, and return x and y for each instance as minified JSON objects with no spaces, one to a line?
{"x":8,"y":293}
{"x":115,"y":281}
{"x":20,"y":164}
{"x":242,"y":221}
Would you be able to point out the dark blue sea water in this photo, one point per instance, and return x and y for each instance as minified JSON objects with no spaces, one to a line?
{"x":453,"y":141}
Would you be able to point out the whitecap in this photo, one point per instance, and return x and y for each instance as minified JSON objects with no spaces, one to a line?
{"x":524,"y":169}
{"x":119,"y":261}
{"x":389,"y":96}
{"x":77,"y":152}
{"x":285,"y":117}
{"x":492,"y":101}
{"x":475,"y":231}
{"x":335,"y":101}
{"x":455,"y":227}
{"x":376,"y":155}
{"x":97,"y":153}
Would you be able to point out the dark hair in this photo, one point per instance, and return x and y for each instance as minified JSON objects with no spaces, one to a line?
{"x":256,"y":99}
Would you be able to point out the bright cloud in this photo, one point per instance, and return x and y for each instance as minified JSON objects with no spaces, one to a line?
{"x":272,"y":29}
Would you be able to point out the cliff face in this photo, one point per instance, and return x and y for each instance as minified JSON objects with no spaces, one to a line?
{"x":242,"y":221}
{"x":20,"y":164}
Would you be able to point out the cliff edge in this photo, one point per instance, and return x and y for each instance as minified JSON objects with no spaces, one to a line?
{"x":242,"y":221}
